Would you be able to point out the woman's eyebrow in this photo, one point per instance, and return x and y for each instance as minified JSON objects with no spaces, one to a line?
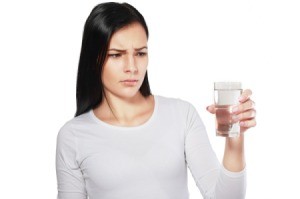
{"x":138,"y":49}
{"x":120,"y":50}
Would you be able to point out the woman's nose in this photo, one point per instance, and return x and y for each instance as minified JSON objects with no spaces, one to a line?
{"x":130,"y":65}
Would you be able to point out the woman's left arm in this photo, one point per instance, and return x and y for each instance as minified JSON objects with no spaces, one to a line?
{"x":244,"y":113}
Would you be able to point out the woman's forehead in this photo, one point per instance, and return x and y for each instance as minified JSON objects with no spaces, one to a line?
{"x":131,"y":36}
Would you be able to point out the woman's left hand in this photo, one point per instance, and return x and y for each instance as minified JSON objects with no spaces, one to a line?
{"x":244,"y":112}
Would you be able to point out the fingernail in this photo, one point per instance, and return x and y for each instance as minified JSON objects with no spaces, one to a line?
{"x":242,"y":124}
{"x":241,"y":98}
{"x":235,"y":109}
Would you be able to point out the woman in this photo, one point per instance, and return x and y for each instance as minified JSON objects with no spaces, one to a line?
{"x":125,"y":142}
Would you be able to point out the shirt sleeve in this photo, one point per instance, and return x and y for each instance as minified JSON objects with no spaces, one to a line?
{"x":212,"y":179}
{"x":70,"y":181}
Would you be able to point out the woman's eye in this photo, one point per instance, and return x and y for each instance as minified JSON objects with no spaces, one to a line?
{"x":141,"y":54}
{"x":115,"y":55}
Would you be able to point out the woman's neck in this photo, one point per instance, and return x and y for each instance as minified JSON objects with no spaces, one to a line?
{"x":125,"y":112}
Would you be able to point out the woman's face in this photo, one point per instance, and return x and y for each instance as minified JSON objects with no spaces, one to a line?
{"x":126,"y":63}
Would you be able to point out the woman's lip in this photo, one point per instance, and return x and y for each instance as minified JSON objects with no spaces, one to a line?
{"x":130,"y":80}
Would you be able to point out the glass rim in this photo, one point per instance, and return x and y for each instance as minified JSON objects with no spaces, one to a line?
{"x":227,"y":85}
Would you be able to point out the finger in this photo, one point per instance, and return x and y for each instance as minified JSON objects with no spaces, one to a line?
{"x":249,"y":104}
{"x":248,"y":123}
{"x":211,"y":109}
{"x":250,"y":114}
{"x":245,"y":95}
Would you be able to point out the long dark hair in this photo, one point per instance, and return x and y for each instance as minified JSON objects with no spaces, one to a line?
{"x":103,"y":21}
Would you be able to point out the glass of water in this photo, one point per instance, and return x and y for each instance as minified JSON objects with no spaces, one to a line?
{"x":226,"y":95}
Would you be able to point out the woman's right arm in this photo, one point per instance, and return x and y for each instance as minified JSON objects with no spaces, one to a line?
{"x":70,"y":182}
{"x":213,"y":180}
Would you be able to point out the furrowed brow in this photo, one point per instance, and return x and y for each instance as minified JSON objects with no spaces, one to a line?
{"x":118,"y":50}
{"x":122,"y":51}
{"x":138,"y":49}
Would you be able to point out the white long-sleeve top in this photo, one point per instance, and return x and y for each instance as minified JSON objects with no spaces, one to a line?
{"x":97,"y":160}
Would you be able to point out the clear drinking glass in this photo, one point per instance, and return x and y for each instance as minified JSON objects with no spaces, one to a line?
{"x":226,"y":95}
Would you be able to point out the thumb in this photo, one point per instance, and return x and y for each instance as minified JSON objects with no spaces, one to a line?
{"x":211,"y":109}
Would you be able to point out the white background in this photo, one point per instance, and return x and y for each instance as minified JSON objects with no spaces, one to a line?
{"x":191,"y":45}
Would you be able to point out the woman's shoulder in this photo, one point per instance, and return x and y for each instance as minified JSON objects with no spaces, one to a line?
{"x":177,"y":107}
{"x":173,"y":101}
{"x":74,"y":122}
